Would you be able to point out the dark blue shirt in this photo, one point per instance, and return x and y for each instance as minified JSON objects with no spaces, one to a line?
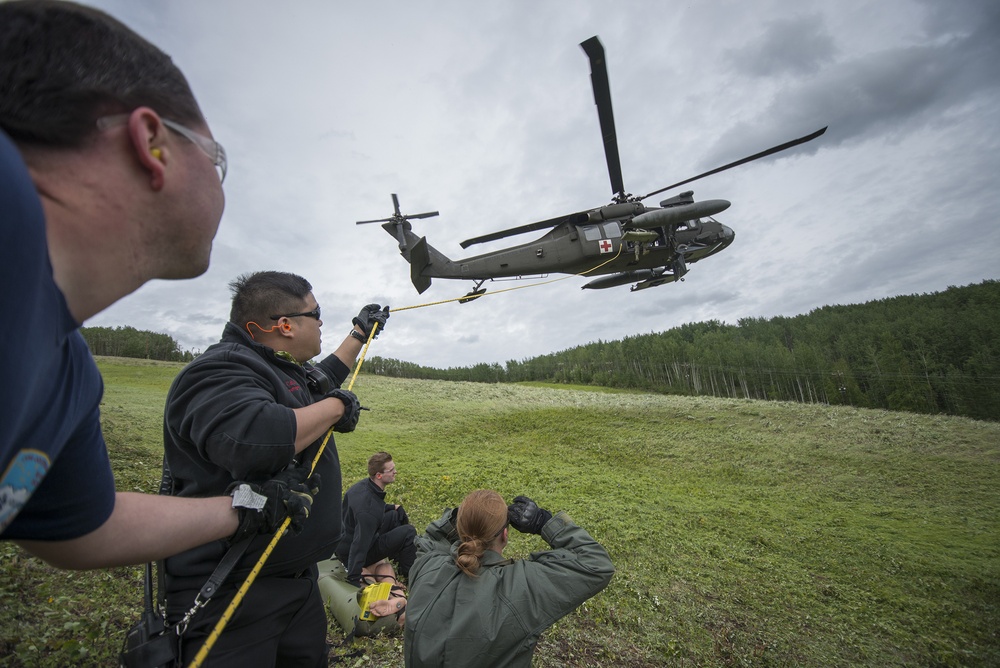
{"x":55,"y":477}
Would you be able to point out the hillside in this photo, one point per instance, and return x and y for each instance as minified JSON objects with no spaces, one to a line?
{"x":744,"y":532}
{"x":930,"y":353}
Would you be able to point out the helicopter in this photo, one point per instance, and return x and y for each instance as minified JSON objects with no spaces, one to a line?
{"x":622,"y":242}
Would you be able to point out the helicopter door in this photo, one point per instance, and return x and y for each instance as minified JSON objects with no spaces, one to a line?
{"x":600,"y":239}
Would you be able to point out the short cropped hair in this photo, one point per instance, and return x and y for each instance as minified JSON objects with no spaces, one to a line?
{"x":259,"y":295}
{"x":377,"y":462}
{"x":63,"y":66}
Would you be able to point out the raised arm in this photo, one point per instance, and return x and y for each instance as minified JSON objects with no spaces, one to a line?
{"x":440,"y":535}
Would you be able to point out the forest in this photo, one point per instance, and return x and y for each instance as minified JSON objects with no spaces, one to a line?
{"x":928,"y":353}
{"x":132,"y":342}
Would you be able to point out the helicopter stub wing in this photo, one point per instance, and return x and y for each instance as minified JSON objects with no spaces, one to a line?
{"x":656,"y":281}
{"x":643,"y":278}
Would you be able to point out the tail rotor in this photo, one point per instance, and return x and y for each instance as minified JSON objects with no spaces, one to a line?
{"x":398,"y":220}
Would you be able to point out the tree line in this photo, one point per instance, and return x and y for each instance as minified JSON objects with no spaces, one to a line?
{"x":929,"y":353}
{"x":132,"y":342}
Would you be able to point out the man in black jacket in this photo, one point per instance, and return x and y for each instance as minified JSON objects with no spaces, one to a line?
{"x":373,"y":529}
{"x":249,"y":406}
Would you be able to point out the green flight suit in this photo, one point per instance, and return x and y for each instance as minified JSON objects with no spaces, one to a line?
{"x":496,"y":618}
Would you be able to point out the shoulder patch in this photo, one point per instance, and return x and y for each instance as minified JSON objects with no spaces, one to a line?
{"x":19,"y":482}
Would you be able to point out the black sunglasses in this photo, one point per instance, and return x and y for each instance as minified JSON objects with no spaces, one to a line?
{"x":311,"y":314}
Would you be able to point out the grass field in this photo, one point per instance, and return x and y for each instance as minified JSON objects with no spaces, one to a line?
{"x":744,"y":533}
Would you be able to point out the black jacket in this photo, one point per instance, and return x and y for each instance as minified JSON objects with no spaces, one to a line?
{"x":229,"y":417}
{"x":364,"y":510}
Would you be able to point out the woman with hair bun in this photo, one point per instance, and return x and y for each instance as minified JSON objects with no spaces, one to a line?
{"x":468,"y":606}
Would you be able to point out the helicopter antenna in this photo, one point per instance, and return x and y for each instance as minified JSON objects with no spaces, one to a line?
{"x":602,"y":98}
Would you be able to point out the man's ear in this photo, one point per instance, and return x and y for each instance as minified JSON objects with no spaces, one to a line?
{"x":148,"y":135}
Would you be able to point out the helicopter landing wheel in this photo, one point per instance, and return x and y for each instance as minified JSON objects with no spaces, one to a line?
{"x":475,"y":294}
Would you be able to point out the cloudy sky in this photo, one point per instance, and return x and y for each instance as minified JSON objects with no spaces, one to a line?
{"x":484,"y":112}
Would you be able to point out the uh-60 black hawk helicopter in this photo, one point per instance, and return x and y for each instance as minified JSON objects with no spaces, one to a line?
{"x":623,"y":242}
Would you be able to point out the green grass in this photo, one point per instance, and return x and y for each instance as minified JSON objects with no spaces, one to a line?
{"x":745,"y":533}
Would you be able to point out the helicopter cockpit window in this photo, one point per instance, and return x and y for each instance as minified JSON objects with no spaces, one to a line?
{"x":592,"y":233}
{"x":612,"y":230}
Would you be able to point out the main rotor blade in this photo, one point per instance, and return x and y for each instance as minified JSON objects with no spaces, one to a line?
{"x":530,"y":227}
{"x":755,"y":156}
{"x":602,"y":98}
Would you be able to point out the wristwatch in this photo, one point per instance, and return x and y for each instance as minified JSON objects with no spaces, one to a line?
{"x":359,"y":336}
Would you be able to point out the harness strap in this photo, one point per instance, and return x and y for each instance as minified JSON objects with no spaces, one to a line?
{"x":222,"y":571}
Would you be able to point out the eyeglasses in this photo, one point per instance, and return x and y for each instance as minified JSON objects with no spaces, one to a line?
{"x":210,"y":147}
{"x":310,"y":314}
{"x":392,"y":470}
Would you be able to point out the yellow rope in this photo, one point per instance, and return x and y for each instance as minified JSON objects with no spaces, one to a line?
{"x":241,"y":592}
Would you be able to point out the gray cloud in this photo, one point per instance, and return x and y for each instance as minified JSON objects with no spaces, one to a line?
{"x":795,"y":46}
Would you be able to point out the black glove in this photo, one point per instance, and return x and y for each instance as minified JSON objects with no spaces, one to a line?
{"x":352,"y":410}
{"x":403,"y":517}
{"x":263,"y":507}
{"x":525,"y":515}
{"x":369,"y":316}
{"x":300,"y":498}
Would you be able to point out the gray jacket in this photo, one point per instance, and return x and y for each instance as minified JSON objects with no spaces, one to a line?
{"x":496,"y":618}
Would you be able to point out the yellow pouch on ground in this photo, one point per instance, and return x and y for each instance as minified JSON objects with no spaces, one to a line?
{"x":373,"y":592}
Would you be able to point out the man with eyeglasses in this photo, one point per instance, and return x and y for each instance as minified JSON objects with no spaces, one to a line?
{"x":373,"y":529}
{"x":104,"y":185}
{"x":247,"y":408}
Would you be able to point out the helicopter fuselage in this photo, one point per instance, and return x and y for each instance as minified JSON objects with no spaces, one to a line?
{"x":611,"y":246}
{"x":593,"y":250}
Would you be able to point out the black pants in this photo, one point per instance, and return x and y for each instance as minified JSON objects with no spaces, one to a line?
{"x":393,"y":541}
{"x":397,"y":544}
{"x":280,"y":623}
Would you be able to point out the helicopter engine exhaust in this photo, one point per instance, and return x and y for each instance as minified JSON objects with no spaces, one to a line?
{"x":676,"y":215}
